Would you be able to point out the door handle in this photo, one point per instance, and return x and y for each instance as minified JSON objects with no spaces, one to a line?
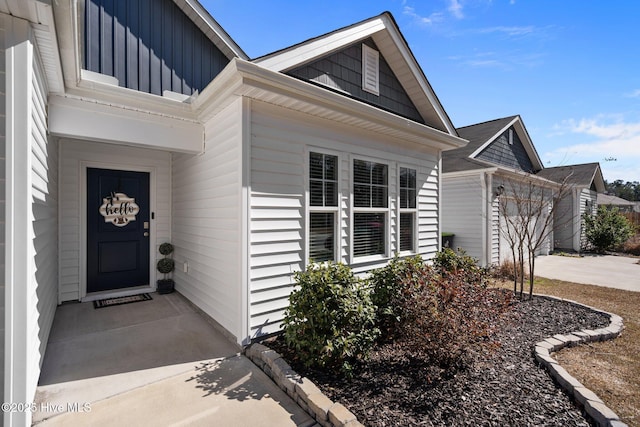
{"x":146,"y":234}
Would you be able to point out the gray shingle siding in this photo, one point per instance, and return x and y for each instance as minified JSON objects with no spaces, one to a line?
{"x":342,"y":71}
{"x":149,"y":45}
{"x":502,"y":153}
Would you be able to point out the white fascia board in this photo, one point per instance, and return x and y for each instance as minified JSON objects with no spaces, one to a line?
{"x":48,"y":49}
{"x":524,"y":138}
{"x":260,"y":82}
{"x":493,"y":138}
{"x":308,"y":51}
{"x":205,"y":17}
{"x":416,"y":70}
{"x":531,"y":149}
{"x":472,"y":172}
{"x":517,"y":174}
{"x":88,"y":120}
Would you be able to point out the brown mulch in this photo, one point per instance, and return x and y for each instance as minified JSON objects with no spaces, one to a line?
{"x":502,"y":387}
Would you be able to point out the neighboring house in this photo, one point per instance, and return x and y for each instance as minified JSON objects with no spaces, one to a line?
{"x":614,"y":201}
{"x":586,"y":182}
{"x":149,"y":124}
{"x":480,"y":178}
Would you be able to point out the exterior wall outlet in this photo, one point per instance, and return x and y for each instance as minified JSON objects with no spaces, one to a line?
{"x":185,"y":267}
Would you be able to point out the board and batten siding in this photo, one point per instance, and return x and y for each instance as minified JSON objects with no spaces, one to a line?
{"x":462,"y":212}
{"x":207,"y":221}
{"x":280,"y":144}
{"x":150,"y":46}
{"x":75,"y":156}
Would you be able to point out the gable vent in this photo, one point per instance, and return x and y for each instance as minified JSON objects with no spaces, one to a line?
{"x":370,"y":70}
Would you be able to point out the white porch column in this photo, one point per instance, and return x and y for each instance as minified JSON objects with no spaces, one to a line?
{"x":19,"y":379}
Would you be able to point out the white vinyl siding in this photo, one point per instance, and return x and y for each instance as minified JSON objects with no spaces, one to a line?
{"x":564,"y":222}
{"x":281,"y":141}
{"x":495,"y":230}
{"x":208,"y":221}
{"x":29,"y":216}
{"x":587,"y":203}
{"x":75,"y":156}
{"x":44,"y":184}
{"x":462,"y":213}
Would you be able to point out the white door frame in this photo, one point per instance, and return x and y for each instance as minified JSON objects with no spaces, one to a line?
{"x":83,"y":230}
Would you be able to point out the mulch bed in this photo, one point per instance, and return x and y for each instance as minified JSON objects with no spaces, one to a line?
{"x":502,"y":387}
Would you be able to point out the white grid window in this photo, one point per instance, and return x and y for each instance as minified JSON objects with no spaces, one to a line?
{"x":323,"y":206}
{"x":370,"y":208}
{"x":408,"y":209}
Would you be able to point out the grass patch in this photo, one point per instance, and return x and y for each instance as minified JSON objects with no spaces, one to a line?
{"x":610,"y":369}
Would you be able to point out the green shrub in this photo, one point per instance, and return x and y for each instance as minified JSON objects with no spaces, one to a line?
{"x":446,"y":316}
{"x":330,"y":321}
{"x":448,"y":261}
{"x":607,"y":229}
{"x":386,"y":287}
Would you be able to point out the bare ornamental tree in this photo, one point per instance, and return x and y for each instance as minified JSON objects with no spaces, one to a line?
{"x":528,"y":206}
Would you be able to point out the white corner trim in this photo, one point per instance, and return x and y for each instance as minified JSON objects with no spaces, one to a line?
{"x":94,"y":77}
{"x":493,"y":138}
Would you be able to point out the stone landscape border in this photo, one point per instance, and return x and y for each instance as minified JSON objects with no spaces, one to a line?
{"x":585,"y":398}
{"x":330,"y":414}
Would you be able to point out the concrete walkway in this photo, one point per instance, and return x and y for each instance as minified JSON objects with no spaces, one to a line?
{"x":601,"y":270}
{"x":157,"y":363}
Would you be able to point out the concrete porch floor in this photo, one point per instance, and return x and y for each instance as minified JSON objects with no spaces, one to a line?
{"x":156,"y":362}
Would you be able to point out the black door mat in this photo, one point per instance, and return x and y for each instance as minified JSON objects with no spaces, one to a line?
{"x":110,"y":302}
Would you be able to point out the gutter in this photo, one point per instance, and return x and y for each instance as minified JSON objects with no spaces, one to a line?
{"x":243,"y":78}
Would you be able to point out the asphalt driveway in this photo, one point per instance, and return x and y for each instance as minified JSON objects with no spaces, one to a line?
{"x":602,"y":270}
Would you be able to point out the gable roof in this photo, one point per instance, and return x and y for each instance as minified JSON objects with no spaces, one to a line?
{"x":393,"y":47}
{"x":609,"y":199}
{"x":481,"y":136}
{"x":67,"y":48}
{"x":210,"y":27}
{"x":583,"y":175}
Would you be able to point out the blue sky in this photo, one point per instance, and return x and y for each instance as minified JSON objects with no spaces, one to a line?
{"x":570,"y":68}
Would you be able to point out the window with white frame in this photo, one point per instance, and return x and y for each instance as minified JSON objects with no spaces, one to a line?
{"x":323,"y":206}
{"x":408,"y":209}
{"x":370,"y":208}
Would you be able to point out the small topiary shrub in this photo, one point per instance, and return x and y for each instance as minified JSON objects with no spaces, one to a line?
{"x":387,"y":284}
{"x":330,"y":321}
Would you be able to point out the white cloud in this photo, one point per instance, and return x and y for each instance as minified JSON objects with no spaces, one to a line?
{"x":605,"y":138}
{"x":422,"y":20}
{"x":512,"y":31}
{"x":455,"y":7}
{"x":633,"y":94}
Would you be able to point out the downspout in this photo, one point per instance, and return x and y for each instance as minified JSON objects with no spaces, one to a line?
{"x":485,"y":217}
{"x":439,"y":238}
{"x":489,"y":224}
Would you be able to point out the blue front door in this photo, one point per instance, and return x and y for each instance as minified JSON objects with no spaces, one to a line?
{"x":117,"y":229}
